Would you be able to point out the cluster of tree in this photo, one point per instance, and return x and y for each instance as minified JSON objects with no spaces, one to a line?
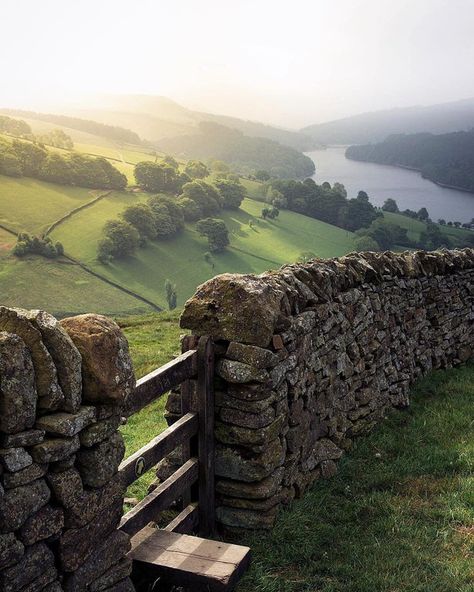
{"x":159,"y":219}
{"x":447,"y":159}
{"x":382,"y":236}
{"x":57,"y":138}
{"x":25,"y":159}
{"x":456,"y":224}
{"x":112,"y":132}
{"x":27,"y":243}
{"x":16,"y":127}
{"x":326,"y":203}
{"x":244,"y":153}
{"x":390,"y":205}
{"x":216,"y":233}
{"x":270,"y":213}
{"x":160,"y":176}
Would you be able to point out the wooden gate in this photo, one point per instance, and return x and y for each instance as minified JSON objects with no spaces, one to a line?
{"x":193,"y":482}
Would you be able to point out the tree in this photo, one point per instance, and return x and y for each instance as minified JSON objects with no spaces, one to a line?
{"x":262,"y":175}
{"x":141,"y":216}
{"x":231,"y":192}
{"x":442,"y":221}
{"x":366,"y":243}
{"x":422,"y":214}
{"x":120,"y":240}
{"x":432,"y":238}
{"x":155,"y":177}
{"x":204,"y":195}
{"x":216,"y":232}
{"x":191,"y":210}
{"x":390,"y":205}
{"x":171,"y":294}
{"x":170,"y":161}
{"x":196,"y":169}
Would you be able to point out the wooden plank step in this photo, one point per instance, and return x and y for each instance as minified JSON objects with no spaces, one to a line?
{"x":184,"y":560}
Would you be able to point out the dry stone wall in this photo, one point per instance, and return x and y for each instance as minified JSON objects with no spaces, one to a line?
{"x":313,"y":355}
{"x":62,"y":385}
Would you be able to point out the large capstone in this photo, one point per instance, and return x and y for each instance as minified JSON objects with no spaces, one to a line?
{"x":107,"y":370}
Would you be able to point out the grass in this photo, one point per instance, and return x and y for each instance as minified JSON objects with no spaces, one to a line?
{"x":57,"y":286}
{"x":458,"y":236}
{"x":254,"y":249}
{"x":399,"y":516}
{"x":30,"y":205}
{"x":154,"y":340}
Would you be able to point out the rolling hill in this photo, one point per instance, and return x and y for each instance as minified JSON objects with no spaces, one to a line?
{"x":377,"y":125}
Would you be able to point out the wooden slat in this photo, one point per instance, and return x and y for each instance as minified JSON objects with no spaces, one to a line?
{"x":205,"y":392}
{"x":160,"y":381}
{"x":160,"y":498}
{"x":149,"y":455}
{"x":186,"y":521}
{"x":188,"y":342}
{"x":187,"y":560}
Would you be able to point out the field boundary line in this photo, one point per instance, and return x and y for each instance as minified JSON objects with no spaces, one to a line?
{"x":75,"y":211}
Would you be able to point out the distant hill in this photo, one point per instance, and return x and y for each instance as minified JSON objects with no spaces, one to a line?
{"x":378,"y":125}
{"x":447,"y":159}
{"x":156,"y":117}
{"x":245,"y":154}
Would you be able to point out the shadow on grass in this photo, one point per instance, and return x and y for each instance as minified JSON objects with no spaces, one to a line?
{"x":399,"y":515}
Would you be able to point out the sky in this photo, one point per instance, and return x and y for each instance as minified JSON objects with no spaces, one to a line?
{"x":288,"y":63}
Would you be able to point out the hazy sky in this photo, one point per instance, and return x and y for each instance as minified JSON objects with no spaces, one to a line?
{"x":288,"y":62}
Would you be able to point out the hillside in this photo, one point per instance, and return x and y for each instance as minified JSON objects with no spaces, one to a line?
{"x":447,"y":159}
{"x":155,"y":118}
{"x":245,"y":154}
{"x":376,"y":126}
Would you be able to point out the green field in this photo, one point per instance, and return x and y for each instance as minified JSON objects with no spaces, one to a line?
{"x":30,"y":205}
{"x":58,"y":287}
{"x":265,"y":245}
{"x":415,"y":228}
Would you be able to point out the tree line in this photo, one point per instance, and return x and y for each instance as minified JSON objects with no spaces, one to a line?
{"x":25,"y":159}
{"x":445,"y":158}
{"x":112,"y":132}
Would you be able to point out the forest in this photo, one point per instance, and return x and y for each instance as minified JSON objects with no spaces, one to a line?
{"x":447,"y":159}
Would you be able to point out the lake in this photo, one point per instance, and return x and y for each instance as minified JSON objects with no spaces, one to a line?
{"x":408,"y":188}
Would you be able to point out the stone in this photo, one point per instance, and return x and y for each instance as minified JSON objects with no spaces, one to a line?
{"x":47,"y":522}
{"x":82,"y":505}
{"x":55,"y":449}
{"x":99,"y":431}
{"x":240,"y":372}
{"x":235,"y":307}
{"x":67,"y":424}
{"x":107,"y":370}
{"x":54,"y":587}
{"x":103,"y":558}
{"x":323,"y":450}
{"x":465,"y":353}
{"x":257,"y":490}
{"x":16,"y":321}
{"x":65,"y":355}
{"x":75,"y":543}
{"x":98,"y":464}
{"x":15,"y":459}
{"x":249,"y":420}
{"x":11,"y":550}
{"x":232,"y":465}
{"x":19,"y":503}
{"x":45,"y":579}
{"x":246,"y":437}
{"x":242,"y":518}
{"x":17,"y":385}
{"x":249,"y":392}
{"x":252,"y":355}
{"x":258,"y":505}
{"x":36,"y":560}
{"x":62,"y":465}
{"x":328,"y":469}
{"x":113,"y":575}
{"x":30,"y":473}
{"x":21,"y":439}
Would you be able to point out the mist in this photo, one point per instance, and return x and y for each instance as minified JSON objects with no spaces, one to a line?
{"x":291,"y":64}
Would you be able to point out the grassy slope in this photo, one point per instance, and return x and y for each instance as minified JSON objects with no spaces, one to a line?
{"x":415,"y":228}
{"x":267,"y":245}
{"x":31,"y":205}
{"x":399,"y":514}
